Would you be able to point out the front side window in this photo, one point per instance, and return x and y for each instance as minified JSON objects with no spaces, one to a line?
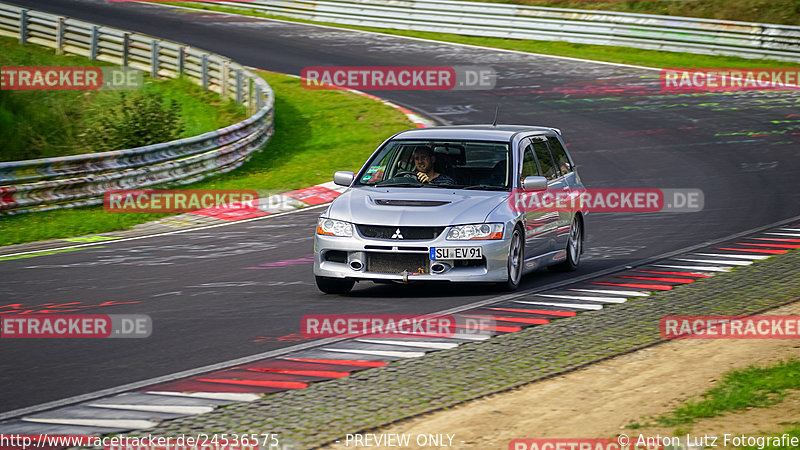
{"x":529,"y":167}
{"x":435,"y":163}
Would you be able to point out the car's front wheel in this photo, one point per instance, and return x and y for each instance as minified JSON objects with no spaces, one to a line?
{"x":334,"y":285}
{"x":515,"y":257}
{"x":574,"y":247}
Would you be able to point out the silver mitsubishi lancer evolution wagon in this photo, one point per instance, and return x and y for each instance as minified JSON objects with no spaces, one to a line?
{"x":441,"y":204}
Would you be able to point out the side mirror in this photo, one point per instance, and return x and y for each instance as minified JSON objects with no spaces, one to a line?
{"x":343,"y":178}
{"x":534,"y":183}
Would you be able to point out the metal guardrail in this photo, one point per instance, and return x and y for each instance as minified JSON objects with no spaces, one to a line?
{"x":670,"y":33}
{"x":70,"y":181}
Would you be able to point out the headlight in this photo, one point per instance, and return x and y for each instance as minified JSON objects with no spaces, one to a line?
{"x":330,"y":227}
{"x":476,"y":231}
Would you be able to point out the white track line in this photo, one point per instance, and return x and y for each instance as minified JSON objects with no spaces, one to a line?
{"x":101,"y":423}
{"x":700,"y":268}
{"x":716,"y":262}
{"x":755,"y":257}
{"x":388,"y":353}
{"x":170,"y":409}
{"x":589,"y":299}
{"x":232,"y":396}
{"x":423,"y":344}
{"x":467,"y":336}
{"x":606,"y":291}
{"x":562,"y":305}
{"x":785,"y":234}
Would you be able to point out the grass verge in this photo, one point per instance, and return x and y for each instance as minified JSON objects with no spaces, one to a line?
{"x":786,"y":12}
{"x":751,"y":387}
{"x":43,"y":124}
{"x":623,"y":55}
{"x":316,"y":133}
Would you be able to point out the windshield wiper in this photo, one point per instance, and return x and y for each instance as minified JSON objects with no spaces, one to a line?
{"x":486,"y":187}
{"x":398,"y":184}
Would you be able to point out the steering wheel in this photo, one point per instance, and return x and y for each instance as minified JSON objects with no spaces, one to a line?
{"x":406,"y":173}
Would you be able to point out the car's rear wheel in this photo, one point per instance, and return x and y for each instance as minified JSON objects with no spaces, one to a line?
{"x":574,"y":248}
{"x":515,"y":257}
{"x":334,"y":285}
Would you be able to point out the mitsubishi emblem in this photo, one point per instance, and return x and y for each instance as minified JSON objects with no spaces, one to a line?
{"x":397,"y":234}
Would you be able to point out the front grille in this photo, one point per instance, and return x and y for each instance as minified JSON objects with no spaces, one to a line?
{"x":407,"y":233}
{"x":397,"y":262}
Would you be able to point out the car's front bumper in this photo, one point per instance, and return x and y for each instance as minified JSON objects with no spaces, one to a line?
{"x":383,"y":259}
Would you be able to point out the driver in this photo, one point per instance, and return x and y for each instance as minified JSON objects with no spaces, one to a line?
{"x":424,"y":159}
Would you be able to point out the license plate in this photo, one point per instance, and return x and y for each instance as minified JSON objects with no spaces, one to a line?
{"x":456,"y":253}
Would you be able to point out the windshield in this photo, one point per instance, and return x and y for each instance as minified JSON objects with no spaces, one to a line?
{"x":448,"y":164}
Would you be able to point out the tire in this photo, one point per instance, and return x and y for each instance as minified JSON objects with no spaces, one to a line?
{"x":516,"y":257}
{"x":574,"y":248}
{"x":339,"y":286}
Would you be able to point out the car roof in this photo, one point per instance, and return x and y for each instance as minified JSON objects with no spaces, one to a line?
{"x":473,"y":132}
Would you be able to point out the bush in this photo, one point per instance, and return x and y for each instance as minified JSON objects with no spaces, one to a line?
{"x":139,"y":119}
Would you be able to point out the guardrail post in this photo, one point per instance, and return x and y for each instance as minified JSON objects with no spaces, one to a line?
{"x":154,"y":59}
{"x":251,"y":109}
{"x":181,"y":60}
{"x":223,"y":70}
{"x":239,"y":87}
{"x":23,"y":26}
{"x":258,"y":97}
{"x":60,"y":36}
{"x":94,"y":42}
{"x":204,"y":71}
{"x":126,"y":49}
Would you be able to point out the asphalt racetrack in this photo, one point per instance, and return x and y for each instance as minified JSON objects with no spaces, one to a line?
{"x":228,"y":292}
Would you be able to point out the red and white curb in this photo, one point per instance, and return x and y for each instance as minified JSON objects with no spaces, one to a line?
{"x":203,"y":393}
{"x":274,"y":204}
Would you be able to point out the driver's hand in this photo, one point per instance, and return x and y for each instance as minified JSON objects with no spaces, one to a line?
{"x":422,"y":177}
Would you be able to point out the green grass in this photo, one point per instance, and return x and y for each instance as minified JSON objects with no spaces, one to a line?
{"x":316,"y":133}
{"x":624,"y":55}
{"x":43,"y":124}
{"x":752,"y":387}
{"x":793,"y":431}
{"x":786,"y":12}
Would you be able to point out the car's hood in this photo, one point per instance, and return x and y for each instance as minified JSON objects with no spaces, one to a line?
{"x":396,"y":206}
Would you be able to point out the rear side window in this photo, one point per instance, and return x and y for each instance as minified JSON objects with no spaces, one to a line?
{"x":560,"y":155}
{"x":548,"y":167}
